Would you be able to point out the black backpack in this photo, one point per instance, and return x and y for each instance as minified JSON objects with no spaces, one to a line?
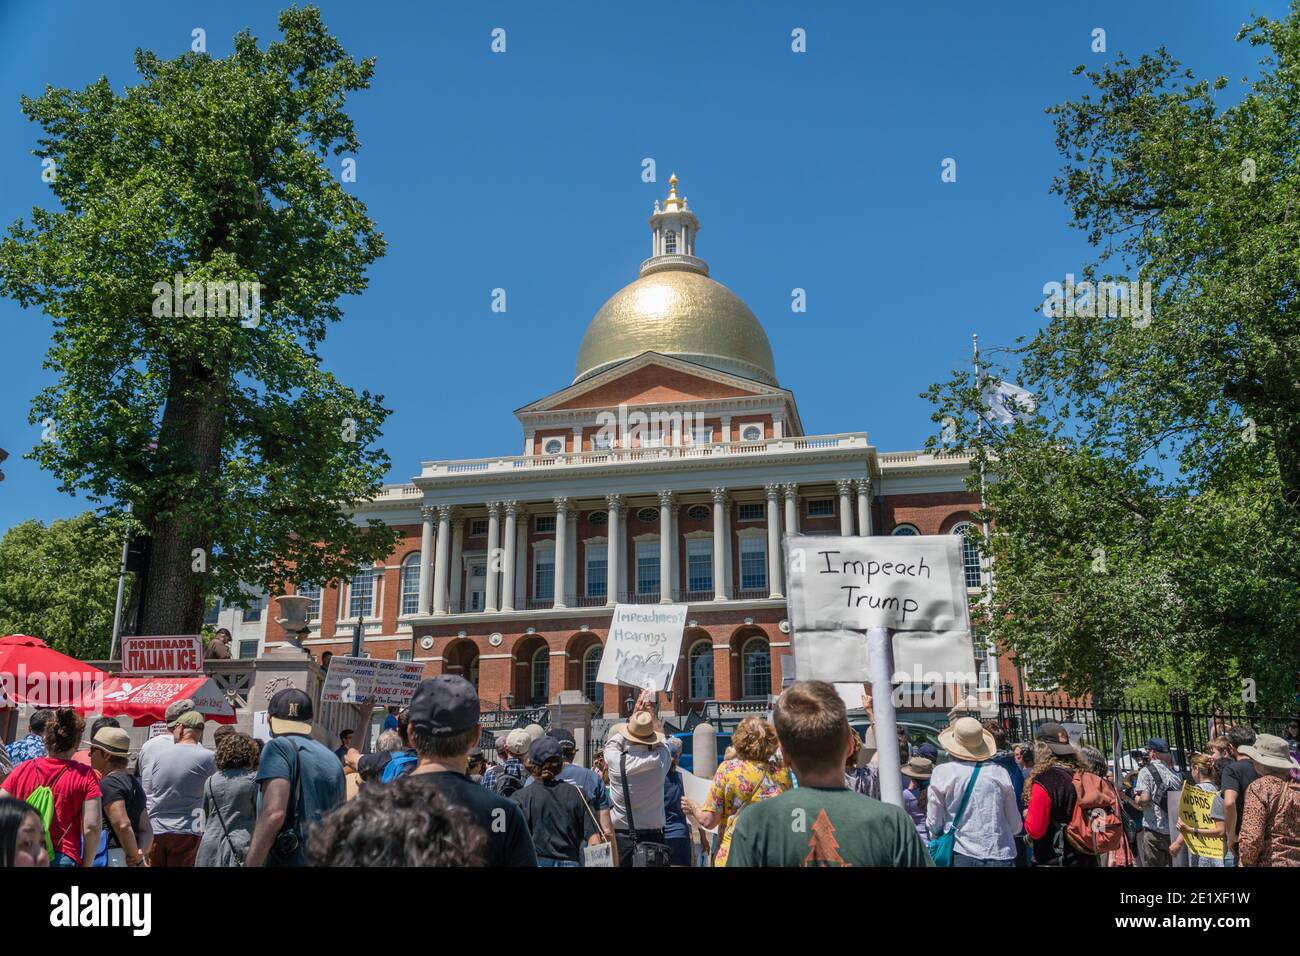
{"x":506,"y":785}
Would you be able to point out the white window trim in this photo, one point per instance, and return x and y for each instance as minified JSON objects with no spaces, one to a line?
{"x":413,"y":558}
{"x":905,"y":524}
{"x":690,"y":673}
{"x":761,"y":517}
{"x":835,"y":506}
{"x":543,"y":547}
{"x":743,"y":648}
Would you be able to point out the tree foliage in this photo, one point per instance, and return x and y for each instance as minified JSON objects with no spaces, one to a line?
{"x":59,"y":583}
{"x":210,"y":170}
{"x":1147,"y":516}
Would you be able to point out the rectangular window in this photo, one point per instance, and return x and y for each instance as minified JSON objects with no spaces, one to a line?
{"x":254,"y":610}
{"x":544,"y":524}
{"x":477,"y":587}
{"x":411,"y":586}
{"x":753,"y":563}
{"x":699,"y":564}
{"x":751,"y":511}
{"x":213,"y":612}
{"x":544,"y":574}
{"x":361,"y":599}
{"x":311,"y":591}
{"x":647,"y":567}
{"x":402,"y":655}
{"x":821,"y":507}
{"x":597,"y":567}
{"x":601,"y":441}
{"x":702,"y":435}
{"x":247,"y":650}
{"x":652,"y":437}
{"x":478,"y":527}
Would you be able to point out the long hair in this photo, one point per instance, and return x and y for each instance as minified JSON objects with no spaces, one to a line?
{"x":1045,"y":759}
{"x":12,"y":814}
{"x":63,"y":733}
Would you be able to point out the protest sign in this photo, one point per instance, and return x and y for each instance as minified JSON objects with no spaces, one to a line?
{"x":261,"y":726}
{"x":173,"y":654}
{"x":696,"y":790}
{"x":643,"y":645}
{"x":1194,"y":805}
{"x":914,"y":586}
{"x":365,"y":680}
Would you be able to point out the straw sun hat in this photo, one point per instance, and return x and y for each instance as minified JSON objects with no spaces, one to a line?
{"x":967,"y":739}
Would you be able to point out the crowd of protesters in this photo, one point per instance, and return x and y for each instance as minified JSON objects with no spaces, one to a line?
{"x":798,"y":789}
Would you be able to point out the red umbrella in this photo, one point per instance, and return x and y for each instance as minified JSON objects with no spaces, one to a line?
{"x":32,"y":672}
{"x":145,"y":699}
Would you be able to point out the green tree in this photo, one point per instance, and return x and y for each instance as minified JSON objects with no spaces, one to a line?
{"x":59,"y":583}
{"x":209,"y":170}
{"x":1148,"y":514}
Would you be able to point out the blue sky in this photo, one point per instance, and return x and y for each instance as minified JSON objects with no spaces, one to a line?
{"x":523,"y":171}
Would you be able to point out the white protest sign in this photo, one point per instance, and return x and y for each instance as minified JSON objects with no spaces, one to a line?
{"x":696,"y":790}
{"x":261,"y":726}
{"x":367,"y":680}
{"x":643,"y":644}
{"x":914,"y":586}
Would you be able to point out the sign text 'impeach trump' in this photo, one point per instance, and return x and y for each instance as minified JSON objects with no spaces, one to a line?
{"x":909,"y":583}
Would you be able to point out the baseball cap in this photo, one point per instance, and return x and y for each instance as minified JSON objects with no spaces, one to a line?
{"x":444,"y":705}
{"x":1050,"y":734}
{"x":175,"y":709}
{"x":1158,"y":744}
{"x":289,"y":712}
{"x":543,"y":749}
{"x":535,"y":731}
{"x":517,"y":742}
{"x":114,"y":741}
{"x":191,"y":719}
{"x":929,"y":751}
{"x":564,"y":737}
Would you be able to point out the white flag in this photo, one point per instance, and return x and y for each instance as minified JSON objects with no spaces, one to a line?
{"x":1006,"y":403}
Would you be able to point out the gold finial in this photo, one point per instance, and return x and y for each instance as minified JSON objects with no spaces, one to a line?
{"x":673,"y":201}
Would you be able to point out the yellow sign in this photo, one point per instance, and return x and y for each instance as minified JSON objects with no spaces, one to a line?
{"x":1194,"y":810}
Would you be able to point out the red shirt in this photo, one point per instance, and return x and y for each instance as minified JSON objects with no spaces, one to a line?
{"x":71,"y":790}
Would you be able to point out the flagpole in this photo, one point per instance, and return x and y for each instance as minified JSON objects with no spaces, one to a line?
{"x":984,"y":526}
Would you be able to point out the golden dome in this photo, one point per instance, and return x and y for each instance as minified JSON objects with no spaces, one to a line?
{"x":680,"y":313}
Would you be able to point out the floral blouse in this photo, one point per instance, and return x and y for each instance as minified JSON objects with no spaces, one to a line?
{"x":737,"y":784}
{"x":1270,"y":824}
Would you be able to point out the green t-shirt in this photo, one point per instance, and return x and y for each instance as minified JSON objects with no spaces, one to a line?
{"x":811,"y":826}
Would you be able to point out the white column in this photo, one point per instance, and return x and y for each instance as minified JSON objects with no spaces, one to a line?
{"x":622,"y":553}
{"x":778,"y":427}
{"x":571,"y":579}
{"x":440,"y":560}
{"x":426,"y":558}
{"x":677,"y":561}
{"x":614,"y":559}
{"x":530,"y":444}
{"x":726,"y":428}
{"x":457,"y":549}
{"x":721,"y":586}
{"x":846,"y":513}
{"x":791,"y":490}
{"x":773,"y":540}
{"x":863,"y":488}
{"x":493,"y":553}
{"x":509,"y":555}
{"x":561,"y":549}
{"x":665,"y":547}
{"x":577,"y":439}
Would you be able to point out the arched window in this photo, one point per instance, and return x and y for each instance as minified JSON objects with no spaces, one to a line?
{"x":756,"y":668}
{"x":970,"y":557}
{"x":541,"y":684}
{"x":411,"y":584}
{"x":905,"y":530}
{"x":699,"y":661}
{"x":670,"y":242}
{"x":590,"y":668}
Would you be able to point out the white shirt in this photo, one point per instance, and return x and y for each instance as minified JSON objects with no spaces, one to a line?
{"x":647,"y":767}
{"x":144,"y":766}
{"x":992,"y":816}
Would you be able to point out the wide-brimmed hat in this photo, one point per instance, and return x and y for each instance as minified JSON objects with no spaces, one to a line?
{"x":1271,"y":752}
{"x":639,"y":729}
{"x":113,"y":741}
{"x":967,"y":739}
{"x":918,"y":768}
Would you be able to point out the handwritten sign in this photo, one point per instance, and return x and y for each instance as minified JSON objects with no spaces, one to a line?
{"x":174,"y":654}
{"x":1194,"y":808}
{"x":915,"y":586}
{"x":365,"y":680}
{"x":643,"y":645}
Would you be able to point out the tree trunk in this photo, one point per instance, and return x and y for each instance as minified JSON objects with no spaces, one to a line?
{"x":189,"y":446}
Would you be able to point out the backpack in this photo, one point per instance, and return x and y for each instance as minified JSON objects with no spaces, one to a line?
{"x":506,"y":786}
{"x":398,"y":765}
{"x":1095,"y":826}
{"x":42,"y":801}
